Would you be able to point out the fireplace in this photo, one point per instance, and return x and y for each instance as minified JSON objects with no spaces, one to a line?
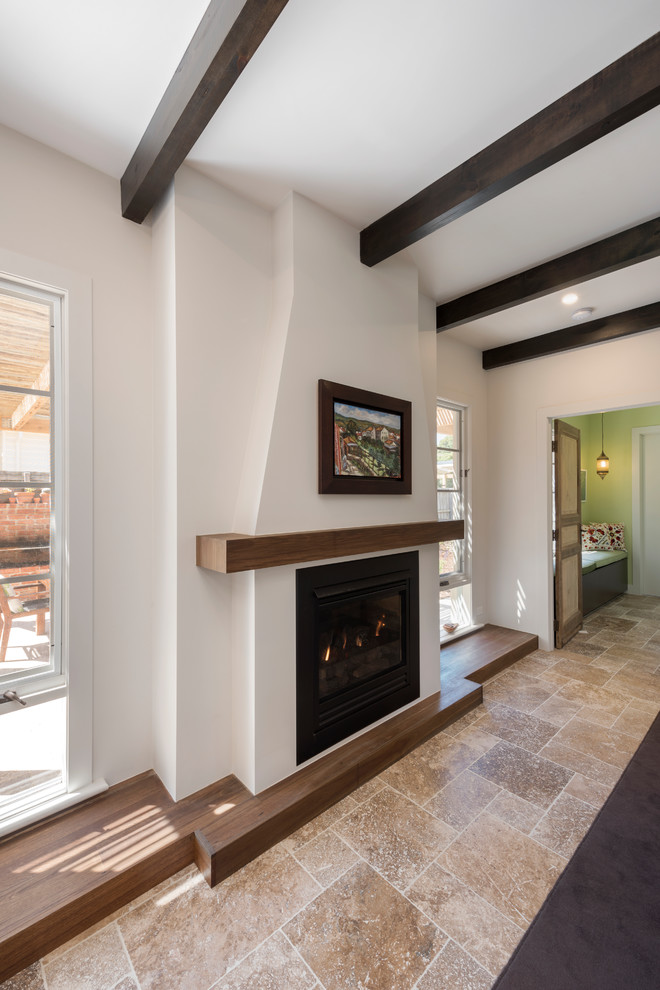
{"x":357,"y":646}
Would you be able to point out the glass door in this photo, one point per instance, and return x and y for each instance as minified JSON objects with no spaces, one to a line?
{"x":32,"y":696}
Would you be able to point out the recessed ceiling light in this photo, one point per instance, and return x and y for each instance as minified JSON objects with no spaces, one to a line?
{"x":582,"y":314}
{"x":569,"y":298}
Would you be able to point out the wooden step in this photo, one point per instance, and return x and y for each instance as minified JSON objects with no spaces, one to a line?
{"x":482,"y":654}
{"x":259,"y":823}
{"x":67,"y":873}
{"x":72,"y":870}
{"x":265,"y":819}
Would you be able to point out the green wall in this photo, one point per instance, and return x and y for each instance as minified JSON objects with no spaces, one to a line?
{"x":609,"y":499}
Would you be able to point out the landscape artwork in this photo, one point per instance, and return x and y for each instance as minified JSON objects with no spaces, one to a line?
{"x":367,"y":442}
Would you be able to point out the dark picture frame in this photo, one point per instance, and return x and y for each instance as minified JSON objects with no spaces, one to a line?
{"x":364,"y":442}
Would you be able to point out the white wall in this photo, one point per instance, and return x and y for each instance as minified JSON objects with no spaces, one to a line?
{"x":461,"y":379}
{"x":357,"y":326}
{"x":61,"y":212}
{"x":522,"y":398}
{"x":165,"y":618}
{"x":215,"y":248}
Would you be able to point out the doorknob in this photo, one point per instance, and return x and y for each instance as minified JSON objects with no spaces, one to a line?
{"x":12,"y":696}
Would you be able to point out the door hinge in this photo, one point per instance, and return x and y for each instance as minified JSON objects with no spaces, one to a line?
{"x":554,"y":535}
{"x":554,"y":447}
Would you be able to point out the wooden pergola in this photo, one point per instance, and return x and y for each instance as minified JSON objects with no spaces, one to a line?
{"x":24,"y":364}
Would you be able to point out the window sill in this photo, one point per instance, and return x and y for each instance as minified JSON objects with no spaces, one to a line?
{"x":446,"y":637}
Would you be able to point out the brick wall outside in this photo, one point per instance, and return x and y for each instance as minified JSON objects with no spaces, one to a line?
{"x":25,"y":520}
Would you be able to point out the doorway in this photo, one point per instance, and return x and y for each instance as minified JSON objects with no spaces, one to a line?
{"x":615,"y":497}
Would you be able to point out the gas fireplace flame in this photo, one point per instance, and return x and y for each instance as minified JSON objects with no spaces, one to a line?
{"x":380,"y":625}
{"x":326,"y":656}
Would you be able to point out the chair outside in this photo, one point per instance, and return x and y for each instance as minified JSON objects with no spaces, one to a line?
{"x":21,"y":601}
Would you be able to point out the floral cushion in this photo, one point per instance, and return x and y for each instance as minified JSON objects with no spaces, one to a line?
{"x":618,"y":542}
{"x":596,"y":536}
{"x":603,"y":536}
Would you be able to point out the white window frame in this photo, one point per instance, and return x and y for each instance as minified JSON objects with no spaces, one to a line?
{"x":75,"y":461}
{"x":29,"y":683}
{"x":458,"y":578}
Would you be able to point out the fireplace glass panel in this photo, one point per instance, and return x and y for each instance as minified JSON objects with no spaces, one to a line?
{"x":359,"y":639}
{"x":357,"y":646}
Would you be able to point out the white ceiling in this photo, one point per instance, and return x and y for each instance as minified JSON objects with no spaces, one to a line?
{"x":358,"y":104}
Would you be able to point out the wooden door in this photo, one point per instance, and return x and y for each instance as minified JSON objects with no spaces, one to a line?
{"x":568,"y":541}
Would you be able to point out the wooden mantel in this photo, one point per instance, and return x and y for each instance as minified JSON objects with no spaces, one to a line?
{"x":229,"y":553}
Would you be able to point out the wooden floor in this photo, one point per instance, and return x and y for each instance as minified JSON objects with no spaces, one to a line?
{"x":65,"y":874}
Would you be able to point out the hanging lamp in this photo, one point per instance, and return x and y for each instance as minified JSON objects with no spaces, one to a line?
{"x":602,"y":462}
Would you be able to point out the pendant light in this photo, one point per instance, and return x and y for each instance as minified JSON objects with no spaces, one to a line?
{"x":602,"y":462}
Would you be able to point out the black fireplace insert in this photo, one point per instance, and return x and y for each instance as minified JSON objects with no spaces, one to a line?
{"x":357,"y":646}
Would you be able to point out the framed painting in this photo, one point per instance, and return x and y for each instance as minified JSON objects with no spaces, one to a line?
{"x":364,"y":442}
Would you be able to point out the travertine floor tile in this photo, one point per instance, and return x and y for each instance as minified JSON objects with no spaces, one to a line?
{"x":471,"y":921}
{"x":522,"y":692}
{"x":367,"y":790}
{"x":598,"y":716}
{"x":194,"y":935}
{"x":516,"y":727}
{"x":275,"y":965}
{"x":155,"y":892}
{"x":594,"y":697}
{"x":645,"y":686}
{"x":629,"y":653}
{"x":583,"y":647}
{"x":28,"y":979}
{"x":98,"y":963}
{"x":582,"y":672}
{"x":564,"y":825}
{"x":396,"y":836}
{"x":477,"y":738}
{"x":454,"y":969}
{"x":422,"y":773}
{"x":319,"y":824}
{"x":644,"y":706}
{"x":515,"y":811}
{"x":462,"y":723}
{"x":603,"y":773}
{"x":529,"y":776}
{"x":634,"y":722}
{"x":326,"y":857}
{"x":361,"y":932}
{"x":608,"y":663}
{"x":546,"y":657}
{"x":588,"y":790}
{"x":557,"y":710}
{"x":462,"y":799}
{"x":611,"y":747}
{"x":605,"y":620}
{"x":510,"y":870}
{"x":534,"y":665}
{"x":551,"y":677}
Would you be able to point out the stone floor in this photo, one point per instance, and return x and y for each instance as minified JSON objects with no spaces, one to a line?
{"x":426,"y":876}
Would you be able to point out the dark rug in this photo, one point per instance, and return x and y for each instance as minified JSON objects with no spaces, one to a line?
{"x":600,"y":924}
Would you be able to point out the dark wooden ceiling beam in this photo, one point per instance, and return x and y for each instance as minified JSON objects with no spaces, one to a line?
{"x":209,"y":68}
{"x":615,"y":95}
{"x":630,"y":247}
{"x":582,"y":335}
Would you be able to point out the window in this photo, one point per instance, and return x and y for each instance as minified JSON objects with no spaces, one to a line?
{"x":455,"y":598}
{"x":29,"y":555}
{"x":46,"y":444}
